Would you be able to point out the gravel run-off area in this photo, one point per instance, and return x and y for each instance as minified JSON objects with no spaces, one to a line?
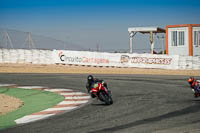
{"x":8,"y":104}
{"x":32,"y":68}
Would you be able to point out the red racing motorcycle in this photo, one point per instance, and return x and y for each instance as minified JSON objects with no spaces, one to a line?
{"x":195,"y":86}
{"x":102,"y":93}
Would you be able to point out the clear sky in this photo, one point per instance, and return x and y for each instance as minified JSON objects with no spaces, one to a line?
{"x":88,"y":22}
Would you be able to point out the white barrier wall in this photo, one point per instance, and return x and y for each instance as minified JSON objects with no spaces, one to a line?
{"x":189,"y":62}
{"x":99,"y":59}
{"x":26,"y":56}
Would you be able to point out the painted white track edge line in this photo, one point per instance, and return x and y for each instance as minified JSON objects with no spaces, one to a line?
{"x":60,"y":109}
{"x":74,"y":93}
{"x":78,"y":97}
{"x":73,"y":102}
{"x":55,"y":90}
{"x":31,"y":87}
{"x":7,"y":85}
{"x":31,"y":118}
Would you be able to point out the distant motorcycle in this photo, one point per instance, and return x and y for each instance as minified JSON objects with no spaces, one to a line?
{"x":102,"y":93}
{"x":195,"y":86}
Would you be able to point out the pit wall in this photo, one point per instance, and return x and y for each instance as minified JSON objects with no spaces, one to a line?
{"x":85,"y":58}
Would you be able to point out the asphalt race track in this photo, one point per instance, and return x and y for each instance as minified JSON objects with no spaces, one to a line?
{"x":142,"y":104}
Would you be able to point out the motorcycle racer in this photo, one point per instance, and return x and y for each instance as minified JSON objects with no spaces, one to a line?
{"x":191,"y":81}
{"x":195,"y":85}
{"x":91,"y":81}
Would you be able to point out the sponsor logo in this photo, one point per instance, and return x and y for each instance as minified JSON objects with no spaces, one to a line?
{"x":60,"y":54}
{"x":124,"y":59}
{"x":145,"y":60}
{"x":76,"y":59}
{"x":95,"y":60}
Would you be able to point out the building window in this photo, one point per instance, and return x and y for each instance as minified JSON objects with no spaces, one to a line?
{"x":178,"y":38}
{"x":196,"y":38}
{"x":181,"y":38}
{"x":174,"y":38}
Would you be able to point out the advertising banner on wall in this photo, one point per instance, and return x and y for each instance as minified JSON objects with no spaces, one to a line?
{"x":85,"y":58}
{"x":150,"y":61}
{"x":115,"y":59}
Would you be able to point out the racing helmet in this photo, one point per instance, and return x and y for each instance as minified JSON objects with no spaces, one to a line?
{"x":191,"y":80}
{"x":90,"y":78}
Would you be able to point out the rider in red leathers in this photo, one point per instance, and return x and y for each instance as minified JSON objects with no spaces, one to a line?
{"x":195,"y":85}
{"x":90,"y":84}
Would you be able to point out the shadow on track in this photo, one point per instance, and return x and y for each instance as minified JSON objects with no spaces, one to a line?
{"x":197,"y":100}
{"x":100,"y":104}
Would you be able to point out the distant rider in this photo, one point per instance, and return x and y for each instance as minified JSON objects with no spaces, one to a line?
{"x":195,"y":84}
{"x":90,"y":84}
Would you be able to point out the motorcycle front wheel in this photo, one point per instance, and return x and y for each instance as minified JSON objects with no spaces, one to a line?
{"x":106,"y":98}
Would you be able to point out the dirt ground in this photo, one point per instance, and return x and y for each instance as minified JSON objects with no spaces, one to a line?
{"x":8,"y":103}
{"x":30,"y":68}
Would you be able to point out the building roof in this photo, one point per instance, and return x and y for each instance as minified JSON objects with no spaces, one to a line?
{"x":146,"y":29}
{"x":183,"y":25}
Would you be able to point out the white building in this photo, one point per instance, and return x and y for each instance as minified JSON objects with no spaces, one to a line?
{"x":183,"y":39}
